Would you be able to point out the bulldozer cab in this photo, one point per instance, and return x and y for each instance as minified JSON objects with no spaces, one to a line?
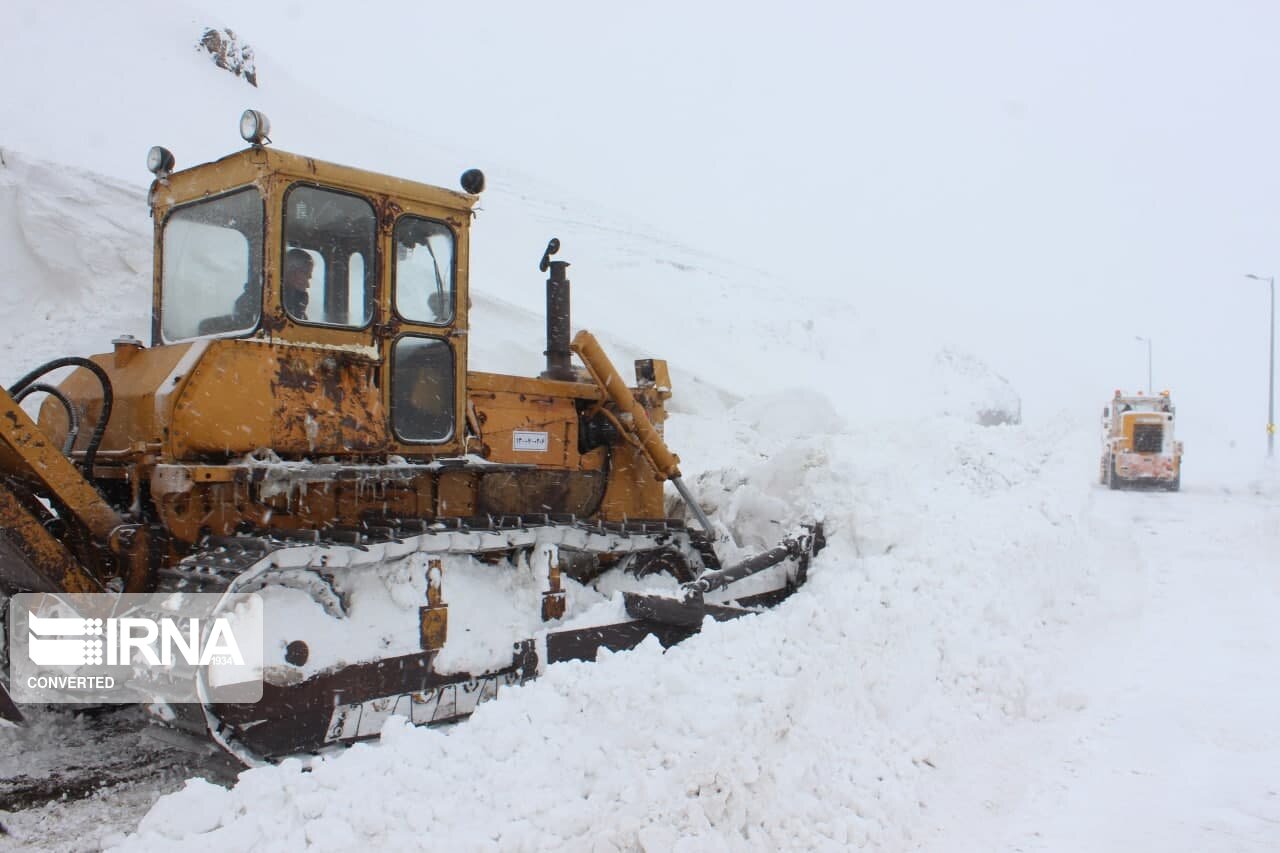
{"x":269,"y":246}
{"x":384,"y":253}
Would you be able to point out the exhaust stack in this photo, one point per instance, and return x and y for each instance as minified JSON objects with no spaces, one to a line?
{"x":558,"y":355}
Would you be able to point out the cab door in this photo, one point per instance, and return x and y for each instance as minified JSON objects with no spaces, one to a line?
{"x":427,"y":353}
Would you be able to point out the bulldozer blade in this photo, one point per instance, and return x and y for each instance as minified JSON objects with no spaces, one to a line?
{"x":352,"y":703}
{"x":685,"y":612}
{"x":672,"y":619}
{"x":9,"y":712}
{"x":584,"y":643}
{"x":669,"y":620}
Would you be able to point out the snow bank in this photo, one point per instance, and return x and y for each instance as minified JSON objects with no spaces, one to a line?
{"x":971,"y":389}
{"x":951,"y":548}
{"x":954,"y":553}
{"x":76,"y":264}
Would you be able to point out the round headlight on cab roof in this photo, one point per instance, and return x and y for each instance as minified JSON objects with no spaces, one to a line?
{"x":159,"y":160}
{"x":473,"y":181}
{"x":254,"y":127}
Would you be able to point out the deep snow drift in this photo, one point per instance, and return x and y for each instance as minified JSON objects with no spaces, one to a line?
{"x":994,"y":653}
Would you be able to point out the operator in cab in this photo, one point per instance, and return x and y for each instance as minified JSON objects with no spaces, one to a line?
{"x":297,"y":282}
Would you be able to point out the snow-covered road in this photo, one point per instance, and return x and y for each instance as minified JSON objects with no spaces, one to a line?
{"x":1172,"y":737}
{"x":1000,"y":656}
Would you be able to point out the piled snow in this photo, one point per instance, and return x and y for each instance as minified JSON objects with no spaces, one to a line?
{"x":76,"y":245}
{"x":956,"y":631}
{"x":960,"y":373}
{"x":803,"y":728}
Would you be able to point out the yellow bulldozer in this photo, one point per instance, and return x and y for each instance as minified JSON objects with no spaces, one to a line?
{"x":304,"y":425}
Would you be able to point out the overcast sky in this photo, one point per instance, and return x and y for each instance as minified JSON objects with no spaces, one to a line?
{"x":1040,"y":182}
{"x":1053,"y":179}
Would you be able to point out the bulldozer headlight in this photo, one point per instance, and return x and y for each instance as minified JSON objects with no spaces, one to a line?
{"x":159,"y":160}
{"x":473,"y":181}
{"x":254,"y":127}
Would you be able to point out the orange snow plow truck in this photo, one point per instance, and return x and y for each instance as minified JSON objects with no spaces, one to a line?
{"x":1138,"y":447}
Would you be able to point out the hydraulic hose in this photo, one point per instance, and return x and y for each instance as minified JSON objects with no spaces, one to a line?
{"x":73,"y":417}
{"x":95,"y":440}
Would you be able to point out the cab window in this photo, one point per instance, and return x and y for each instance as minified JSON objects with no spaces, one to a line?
{"x":327,"y":273}
{"x":424,"y":271}
{"x":211,"y":267}
{"x":422,"y":389}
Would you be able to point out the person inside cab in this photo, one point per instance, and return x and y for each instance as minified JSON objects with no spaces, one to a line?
{"x":297,"y":282}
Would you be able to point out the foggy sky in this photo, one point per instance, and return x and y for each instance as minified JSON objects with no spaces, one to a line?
{"x":1040,"y":181}
{"x":1037,"y":182}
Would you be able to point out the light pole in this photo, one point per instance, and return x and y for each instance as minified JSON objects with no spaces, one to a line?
{"x":1271,"y":371}
{"x":1147,"y":341}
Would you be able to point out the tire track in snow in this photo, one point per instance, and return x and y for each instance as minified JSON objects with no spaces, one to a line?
{"x":1175,"y":746}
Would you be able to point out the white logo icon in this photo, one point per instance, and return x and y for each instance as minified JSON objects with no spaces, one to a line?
{"x":58,"y":641}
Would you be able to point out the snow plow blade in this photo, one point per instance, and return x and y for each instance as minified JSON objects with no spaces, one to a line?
{"x":674,"y":618}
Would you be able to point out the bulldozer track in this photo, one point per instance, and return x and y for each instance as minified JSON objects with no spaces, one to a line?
{"x":221,"y":560}
{"x":309,"y":560}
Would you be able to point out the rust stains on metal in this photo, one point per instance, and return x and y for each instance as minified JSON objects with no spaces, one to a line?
{"x":295,"y":374}
{"x":273,"y":321}
{"x":333,"y":370}
{"x":388,"y":212}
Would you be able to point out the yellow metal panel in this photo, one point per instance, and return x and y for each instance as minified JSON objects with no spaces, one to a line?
{"x":634,"y":490}
{"x":256,"y":165}
{"x":523,"y":385}
{"x":527,"y":429}
{"x":326,"y":403}
{"x":295,"y":400}
{"x":224,"y":406}
{"x":332,"y":174}
{"x":134,"y":385}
